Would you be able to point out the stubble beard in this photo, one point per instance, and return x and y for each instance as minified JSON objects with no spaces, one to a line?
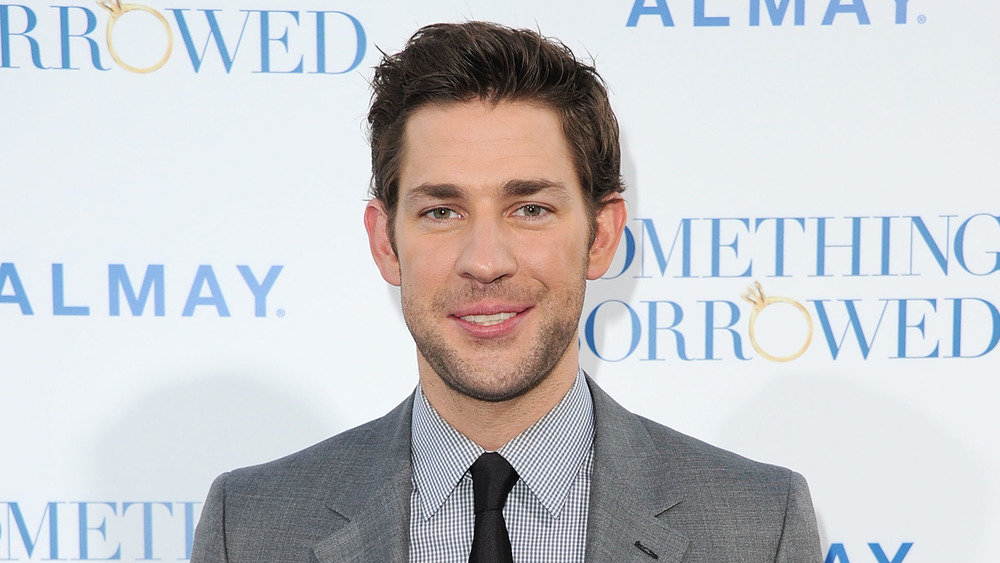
{"x":494,"y":379}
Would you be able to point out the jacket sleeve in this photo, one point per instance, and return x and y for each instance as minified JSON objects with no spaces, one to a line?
{"x":800,"y":534}
{"x":210,"y":535}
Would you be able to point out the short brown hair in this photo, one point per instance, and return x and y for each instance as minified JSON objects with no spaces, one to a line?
{"x":450,"y":63}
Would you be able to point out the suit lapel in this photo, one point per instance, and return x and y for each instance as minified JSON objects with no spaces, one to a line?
{"x":372,"y":499}
{"x":628,"y":490}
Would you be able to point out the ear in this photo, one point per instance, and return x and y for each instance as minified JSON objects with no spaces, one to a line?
{"x":377,"y":225}
{"x":609,"y":223}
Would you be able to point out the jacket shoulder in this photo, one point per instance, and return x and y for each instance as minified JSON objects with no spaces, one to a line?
{"x":707,"y":460}
{"x":745,"y":505}
{"x":727,"y":507}
{"x":250,"y":512}
{"x":342,"y":455}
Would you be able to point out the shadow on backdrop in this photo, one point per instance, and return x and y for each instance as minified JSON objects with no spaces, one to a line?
{"x":171,"y":444}
{"x":897,"y":469}
{"x":619,"y":288}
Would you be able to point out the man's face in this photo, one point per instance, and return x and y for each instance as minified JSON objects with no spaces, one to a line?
{"x":492,"y":253}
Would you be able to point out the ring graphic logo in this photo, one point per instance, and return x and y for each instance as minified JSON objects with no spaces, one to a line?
{"x":712,"y":13}
{"x":140,"y":39}
{"x":875,"y":283}
{"x":205,"y":292}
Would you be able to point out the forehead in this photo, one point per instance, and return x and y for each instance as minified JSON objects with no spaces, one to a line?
{"x":476,"y":144}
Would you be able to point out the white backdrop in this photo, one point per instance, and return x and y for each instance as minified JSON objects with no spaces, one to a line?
{"x":843,"y":154}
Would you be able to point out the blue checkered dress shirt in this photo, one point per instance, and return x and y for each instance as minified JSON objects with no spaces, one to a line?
{"x":546,"y":512}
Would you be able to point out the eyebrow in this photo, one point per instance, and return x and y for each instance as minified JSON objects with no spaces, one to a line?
{"x":522,"y":188}
{"x":435,"y":191}
{"x":511,"y":188}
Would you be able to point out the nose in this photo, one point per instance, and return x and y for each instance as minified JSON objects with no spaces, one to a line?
{"x":487,"y":253}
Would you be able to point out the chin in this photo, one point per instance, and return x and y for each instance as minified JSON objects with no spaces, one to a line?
{"x":512,"y":386}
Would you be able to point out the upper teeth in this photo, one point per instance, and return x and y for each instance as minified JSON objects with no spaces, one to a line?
{"x":487,"y":320}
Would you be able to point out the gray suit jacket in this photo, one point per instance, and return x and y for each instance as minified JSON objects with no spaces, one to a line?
{"x":348,"y":499}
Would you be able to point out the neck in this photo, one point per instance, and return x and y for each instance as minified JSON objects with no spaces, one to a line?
{"x":493,"y":424}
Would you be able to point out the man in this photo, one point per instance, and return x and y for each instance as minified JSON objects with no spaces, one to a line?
{"x":496,"y":187}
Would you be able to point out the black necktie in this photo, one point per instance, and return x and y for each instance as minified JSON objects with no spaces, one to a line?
{"x":492,"y":480}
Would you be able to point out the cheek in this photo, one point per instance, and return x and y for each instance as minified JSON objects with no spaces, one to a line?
{"x":424,"y":265}
{"x":560,"y":263}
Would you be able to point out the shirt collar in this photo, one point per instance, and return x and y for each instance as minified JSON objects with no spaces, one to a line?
{"x":547,"y":456}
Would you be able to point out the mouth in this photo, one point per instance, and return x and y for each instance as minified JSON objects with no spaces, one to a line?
{"x":488,"y":320}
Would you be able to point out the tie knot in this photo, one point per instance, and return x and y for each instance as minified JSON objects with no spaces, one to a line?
{"x":492,"y":479}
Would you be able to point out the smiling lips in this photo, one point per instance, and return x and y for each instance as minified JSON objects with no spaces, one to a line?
{"x":492,"y":319}
{"x":488,"y":320}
